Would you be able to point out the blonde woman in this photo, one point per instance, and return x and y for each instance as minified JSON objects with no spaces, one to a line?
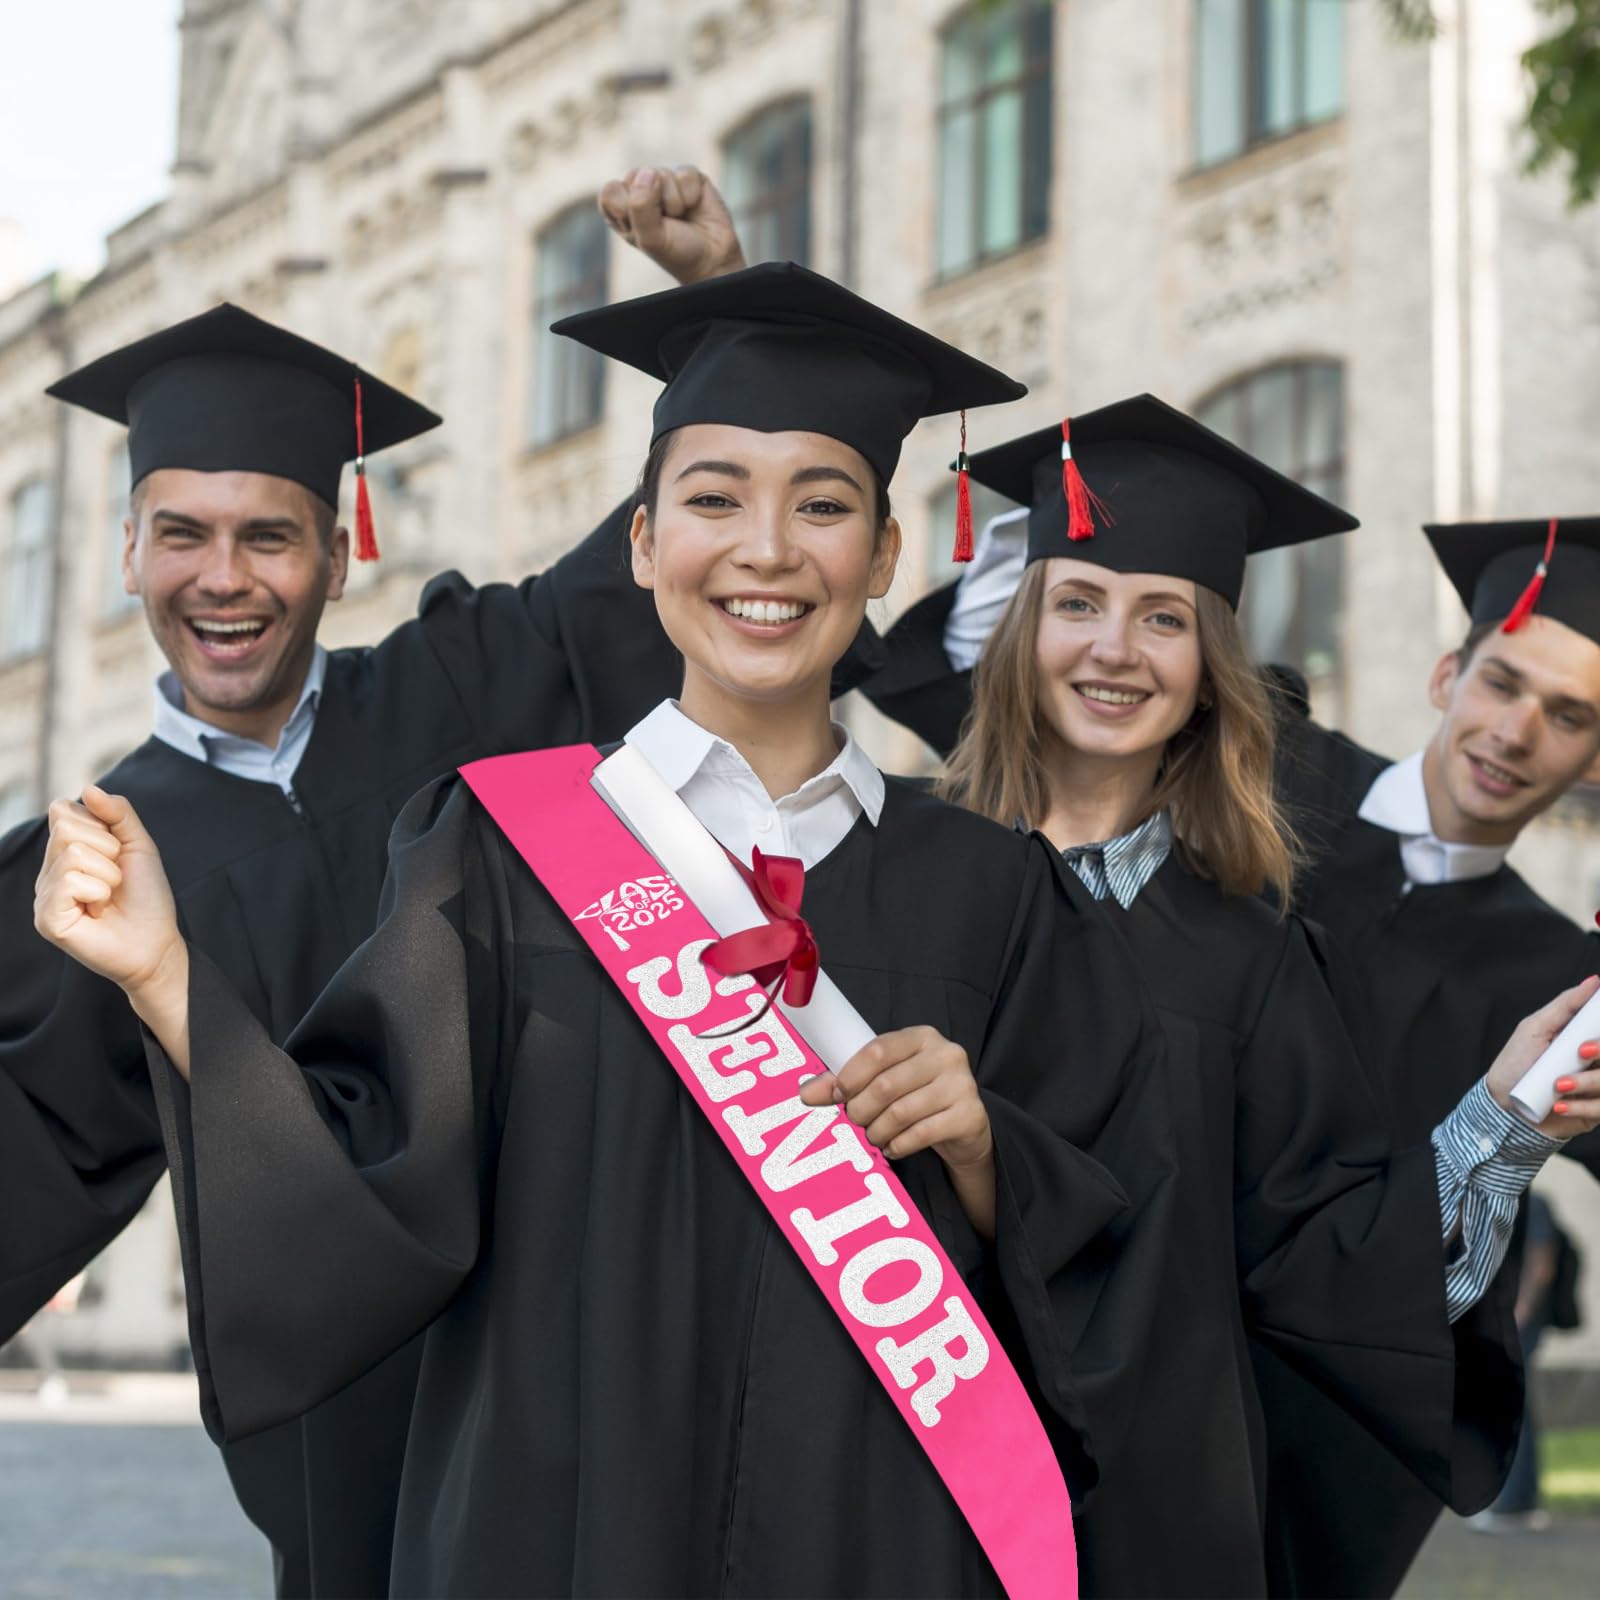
{"x":1115,"y":710}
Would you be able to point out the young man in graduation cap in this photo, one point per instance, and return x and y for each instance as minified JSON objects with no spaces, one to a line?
{"x":270,"y":783}
{"x":1446,"y":945}
{"x":1406,"y":866}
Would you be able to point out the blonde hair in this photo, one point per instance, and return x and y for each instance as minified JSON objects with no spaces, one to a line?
{"x":1216,"y":775}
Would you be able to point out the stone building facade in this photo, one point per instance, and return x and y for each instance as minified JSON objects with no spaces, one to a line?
{"x":1314,"y":234}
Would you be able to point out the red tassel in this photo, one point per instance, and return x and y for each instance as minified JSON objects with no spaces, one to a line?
{"x":366,"y":535}
{"x":1083,"y":504}
{"x":1529,"y":597}
{"x":963,"y":499}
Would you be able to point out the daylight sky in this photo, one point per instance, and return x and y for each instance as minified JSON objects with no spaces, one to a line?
{"x":88,"y":113}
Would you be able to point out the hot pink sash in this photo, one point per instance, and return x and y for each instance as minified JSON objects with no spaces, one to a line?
{"x":831,"y":1193}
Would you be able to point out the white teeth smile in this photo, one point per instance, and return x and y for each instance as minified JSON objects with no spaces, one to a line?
{"x":228,"y":633}
{"x":1111,"y":697}
{"x":1499,"y":774}
{"x":769,"y":611}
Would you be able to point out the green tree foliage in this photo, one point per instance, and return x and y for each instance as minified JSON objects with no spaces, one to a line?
{"x":1563,"y":70}
{"x":1564,"y":112}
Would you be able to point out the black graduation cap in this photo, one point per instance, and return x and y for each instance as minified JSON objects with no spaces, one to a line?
{"x":227,"y":392}
{"x":1139,"y":487}
{"x":779,"y":349}
{"x":1502,"y":570}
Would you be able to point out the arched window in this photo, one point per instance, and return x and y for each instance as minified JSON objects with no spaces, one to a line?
{"x":1292,"y":417}
{"x":1263,"y":68}
{"x":569,"y":275}
{"x":26,"y":575}
{"x":768,"y":166}
{"x":994,"y":131}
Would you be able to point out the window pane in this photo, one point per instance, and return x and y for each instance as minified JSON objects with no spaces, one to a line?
{"x":959,"y":61}
{"x":769,"y":183}
{"x":114,"y":599}
{"x":1036,"y":146}
{"x":1321,"y":604}
{"x":1002,"y":178}
{"x":1268,"y":607}
{"x":1218,"y":79}
{"x":1292,"y":417}
{"x":1002,"y":54}
{"x":1269,"y":417}
{"x":957,"y":189}
{"x":1324,"y":58}
{"x":570,"y":275}
{"x":1324,"y":427}
{"x":1277,"y":82}
{"x":26,"y":572}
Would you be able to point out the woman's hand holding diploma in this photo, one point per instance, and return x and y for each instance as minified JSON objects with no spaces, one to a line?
{"x":102,"y":896}
{"x":1577,"y":1096}
{"x":913,"y":1090}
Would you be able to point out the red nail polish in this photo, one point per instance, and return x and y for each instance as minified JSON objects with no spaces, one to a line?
{"x":1588,"y":1050}
{"x":1565,"y":1085}
{"x":1561,"y":1108}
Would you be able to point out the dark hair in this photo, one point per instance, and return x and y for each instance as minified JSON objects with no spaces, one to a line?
{"x":648,"y":488}
{"x":1476,"y":634}
{"x":324,"y":518}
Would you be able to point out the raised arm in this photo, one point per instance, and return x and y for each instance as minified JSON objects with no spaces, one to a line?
{"x":328,"y":1193}
{"x":80,"y":1146}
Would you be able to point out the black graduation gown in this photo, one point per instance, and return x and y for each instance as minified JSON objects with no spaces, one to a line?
{"x":278,"y":897}
{"x":1297,"y":1225}
{"x":915,"y":683}
{"x":629,"y":1385}
{"x":1445,"y":972}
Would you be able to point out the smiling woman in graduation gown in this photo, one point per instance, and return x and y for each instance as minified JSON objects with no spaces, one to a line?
{"x":628,"y":1385}
{"x":279,"y":889}
{"x":1301,"y":1229}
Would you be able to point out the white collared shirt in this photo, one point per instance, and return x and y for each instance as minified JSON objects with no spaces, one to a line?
{"x":243,"y":758}
{"x":719,"y":787}
{"x":1398,"y":801}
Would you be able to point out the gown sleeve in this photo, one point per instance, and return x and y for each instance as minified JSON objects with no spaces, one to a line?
{"x":1340,"y":1248}
{"x":80,"y":1147}
{"x":916,"y":685}
{"x":328,"y":1193}
{"x":1085,"y":1164}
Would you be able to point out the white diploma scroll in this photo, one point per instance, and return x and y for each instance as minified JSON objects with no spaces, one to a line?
{"x":1535,"y":1094}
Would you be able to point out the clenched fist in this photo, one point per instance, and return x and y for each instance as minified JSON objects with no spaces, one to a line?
{"x":677,"y":218}
{"x":103,"y":897}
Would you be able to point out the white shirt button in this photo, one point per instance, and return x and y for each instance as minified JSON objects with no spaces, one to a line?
{"x":1485,"y":1146}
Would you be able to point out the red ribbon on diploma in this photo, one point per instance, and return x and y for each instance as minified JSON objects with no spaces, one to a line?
{"x":784,"y":951}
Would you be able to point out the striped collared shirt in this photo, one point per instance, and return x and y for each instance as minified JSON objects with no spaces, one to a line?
{"x":1121,"y":867}
{"x":1485,"y":1158}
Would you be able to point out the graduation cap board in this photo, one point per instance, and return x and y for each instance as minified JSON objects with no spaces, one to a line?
{"x":1138,"y":486}
{"x":780,"y":349}
{"x":227,"y":392}
{"x":1503,"y":571}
